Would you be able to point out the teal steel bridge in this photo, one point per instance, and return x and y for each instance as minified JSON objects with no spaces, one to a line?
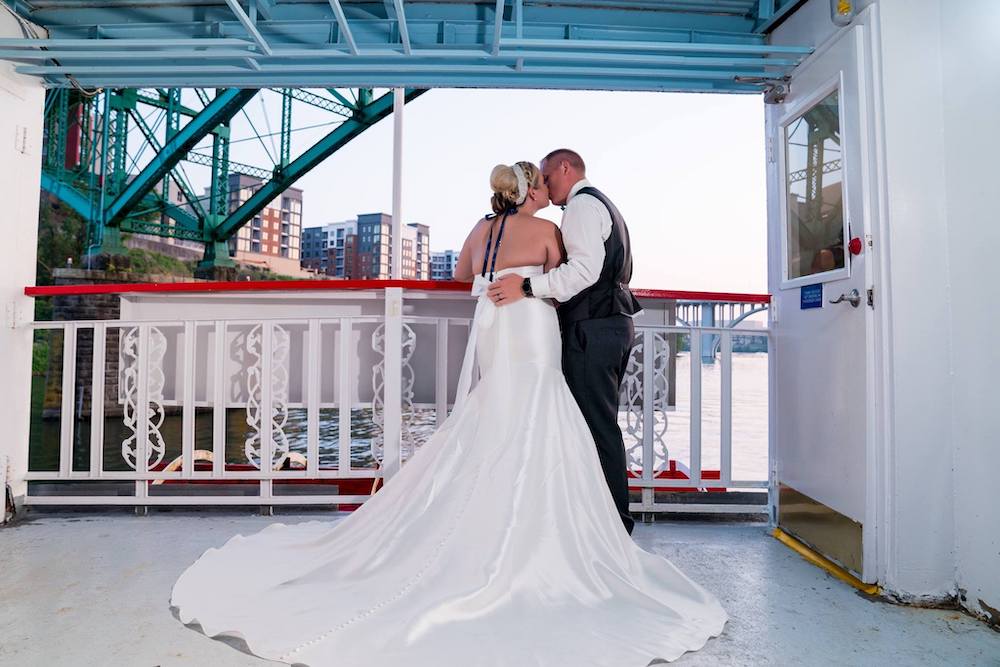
{"x":117,"y":156}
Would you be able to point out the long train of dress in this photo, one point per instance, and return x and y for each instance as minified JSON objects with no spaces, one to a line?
{"x":496,"y":545}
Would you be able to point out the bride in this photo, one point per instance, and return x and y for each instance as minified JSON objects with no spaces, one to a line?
{"x":497,"y":544}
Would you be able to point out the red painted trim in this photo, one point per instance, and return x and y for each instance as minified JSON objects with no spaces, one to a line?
{"x":326,"y":285}
{"x":701,"y":296}
{"x":243,"y":286}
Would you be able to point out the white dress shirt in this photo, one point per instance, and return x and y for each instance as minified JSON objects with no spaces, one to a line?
{"x":586,"y":225}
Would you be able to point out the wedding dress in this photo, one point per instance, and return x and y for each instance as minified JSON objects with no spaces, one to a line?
{"x":496,"y":545}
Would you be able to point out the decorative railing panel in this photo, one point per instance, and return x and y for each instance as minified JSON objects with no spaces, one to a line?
{"x":291,"y":410}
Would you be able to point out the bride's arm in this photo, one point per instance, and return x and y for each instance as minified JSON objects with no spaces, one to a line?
{"x":463,"y":268}
{"x":555,"y":251}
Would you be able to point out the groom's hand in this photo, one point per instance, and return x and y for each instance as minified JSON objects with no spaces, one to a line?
{"x":506,"y":290}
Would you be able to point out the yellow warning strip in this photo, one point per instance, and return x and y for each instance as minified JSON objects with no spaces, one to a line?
{"x":824,"y":563}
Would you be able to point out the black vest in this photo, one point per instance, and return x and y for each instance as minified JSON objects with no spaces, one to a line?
{"x":610,"y":295}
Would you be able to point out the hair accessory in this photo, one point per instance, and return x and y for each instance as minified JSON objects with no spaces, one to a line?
{"x":522,"y":184}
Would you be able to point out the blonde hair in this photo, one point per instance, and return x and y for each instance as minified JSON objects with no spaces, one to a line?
{"x":503,"y":182}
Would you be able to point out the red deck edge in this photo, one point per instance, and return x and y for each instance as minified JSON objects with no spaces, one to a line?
{"x":324,"y":285}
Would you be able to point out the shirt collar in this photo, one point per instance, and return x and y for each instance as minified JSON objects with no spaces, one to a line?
{"x":581,"y":184}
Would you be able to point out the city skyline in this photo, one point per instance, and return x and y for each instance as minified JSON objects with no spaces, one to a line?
{"x":362,"y":248}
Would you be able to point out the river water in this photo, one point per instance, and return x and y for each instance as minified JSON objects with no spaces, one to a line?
{"x":750,"y":427}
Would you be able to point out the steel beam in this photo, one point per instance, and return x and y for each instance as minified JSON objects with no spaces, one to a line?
{"x":263,"y":7}
{"x":345,"y":29}
{"x":321,"y":102}
{"x":158,"y":43}
{"x":234,"y":167}
{"x":286,"y":128}
{"x":83,"y":205}
{"x":171,"y":132}
{"x":404,"y":30}
{"x":664,"y":46}
{"x":183,"y":219}
{"x":173,"y":124}
{"x":162,"y":230}
{"x":283,"y":179}
{"x":163,"y":102}
{"x":401,"y":70}
{"x":343,"y":100}
{"x":778,"y":14}
{"x":498,"y":26}
{"x":66,"y":193}
{"x":225,"y":105}
{"x":249,"y":26}
{"x":390,"y":57}
{"x":218,"y":204}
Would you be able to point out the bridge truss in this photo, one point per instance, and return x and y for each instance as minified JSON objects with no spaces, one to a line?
{"x":117,"y":157}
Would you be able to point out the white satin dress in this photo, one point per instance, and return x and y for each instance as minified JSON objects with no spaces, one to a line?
{"x":496,"y":545}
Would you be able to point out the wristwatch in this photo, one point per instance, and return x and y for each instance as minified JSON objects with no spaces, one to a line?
{"x":526,"y":287}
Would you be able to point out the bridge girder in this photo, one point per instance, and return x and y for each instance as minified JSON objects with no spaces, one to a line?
{"x":224,"y":106}
{"x":97,"y":170}
{"x":285,"y":176}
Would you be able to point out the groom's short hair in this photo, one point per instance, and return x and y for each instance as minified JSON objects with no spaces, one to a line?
{"x":571,"y":156}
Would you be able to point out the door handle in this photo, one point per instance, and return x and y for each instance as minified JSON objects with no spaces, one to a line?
{"x":853,"y":297}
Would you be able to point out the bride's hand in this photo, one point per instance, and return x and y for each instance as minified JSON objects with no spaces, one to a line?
{"x":505,"y":291}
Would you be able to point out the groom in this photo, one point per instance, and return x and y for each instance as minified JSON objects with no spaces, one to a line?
{"x":596,"y":309}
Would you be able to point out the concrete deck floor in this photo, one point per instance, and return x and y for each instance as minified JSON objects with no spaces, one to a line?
{"x":92,"y":590}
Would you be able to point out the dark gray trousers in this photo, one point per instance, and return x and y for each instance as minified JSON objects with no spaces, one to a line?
{"x":594,"y":356}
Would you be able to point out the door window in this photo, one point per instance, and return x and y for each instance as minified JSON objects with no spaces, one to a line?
{"x":814,"y":214}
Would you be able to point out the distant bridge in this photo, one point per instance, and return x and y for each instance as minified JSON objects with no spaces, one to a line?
{"x":727,"y":314}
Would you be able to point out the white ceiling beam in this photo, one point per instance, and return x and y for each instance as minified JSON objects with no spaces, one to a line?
{"x":263,"y":7}
{"x":249,"y":26}
{"x":404,"y":31}
{"x":498,"y":26}
{"x":345,"y":29}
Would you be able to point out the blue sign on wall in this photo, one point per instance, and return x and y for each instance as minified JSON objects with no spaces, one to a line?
{"x":811,"y":296}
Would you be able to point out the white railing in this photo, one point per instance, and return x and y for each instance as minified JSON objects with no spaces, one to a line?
{"x":276,"y":381}
{"x":646,"y":432}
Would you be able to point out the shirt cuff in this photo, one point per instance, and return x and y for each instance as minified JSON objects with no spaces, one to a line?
{"x":540,"y":286}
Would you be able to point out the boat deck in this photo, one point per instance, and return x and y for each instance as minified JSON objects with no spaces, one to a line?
{"x":83,"y":589}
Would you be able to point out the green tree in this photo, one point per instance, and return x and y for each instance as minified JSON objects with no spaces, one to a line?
{"x":62,"y":236}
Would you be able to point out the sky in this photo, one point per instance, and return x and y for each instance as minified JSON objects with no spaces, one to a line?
{"x":686,"y":170}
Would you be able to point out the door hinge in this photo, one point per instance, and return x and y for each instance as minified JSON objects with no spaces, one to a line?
{"x":871,"y":297}
{"x":10,"y":315}
{"x":775,"y":90}
{"x":21,"y":139}
{"x":770,"y":150}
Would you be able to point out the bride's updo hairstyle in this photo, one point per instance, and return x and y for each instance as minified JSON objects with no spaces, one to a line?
{"x":509,"y":191}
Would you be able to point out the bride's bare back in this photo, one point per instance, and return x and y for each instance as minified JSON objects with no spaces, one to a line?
{"x":527,"y":241}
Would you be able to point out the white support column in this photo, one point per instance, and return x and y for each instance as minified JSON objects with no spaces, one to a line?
{"x":441,"y":371}
{"x":696,"y":344}
{"x":21,"y":99}
{"x":344,"y":395}
{"x":397,"y":183}
{"x":726,"y":404}
{"x":648,"y":416}
{"x":313,"y":345}
{"x":187,"y":400}
{"x":393,"y":386}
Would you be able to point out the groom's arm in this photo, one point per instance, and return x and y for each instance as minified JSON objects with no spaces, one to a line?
{"x":585,"y":227}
